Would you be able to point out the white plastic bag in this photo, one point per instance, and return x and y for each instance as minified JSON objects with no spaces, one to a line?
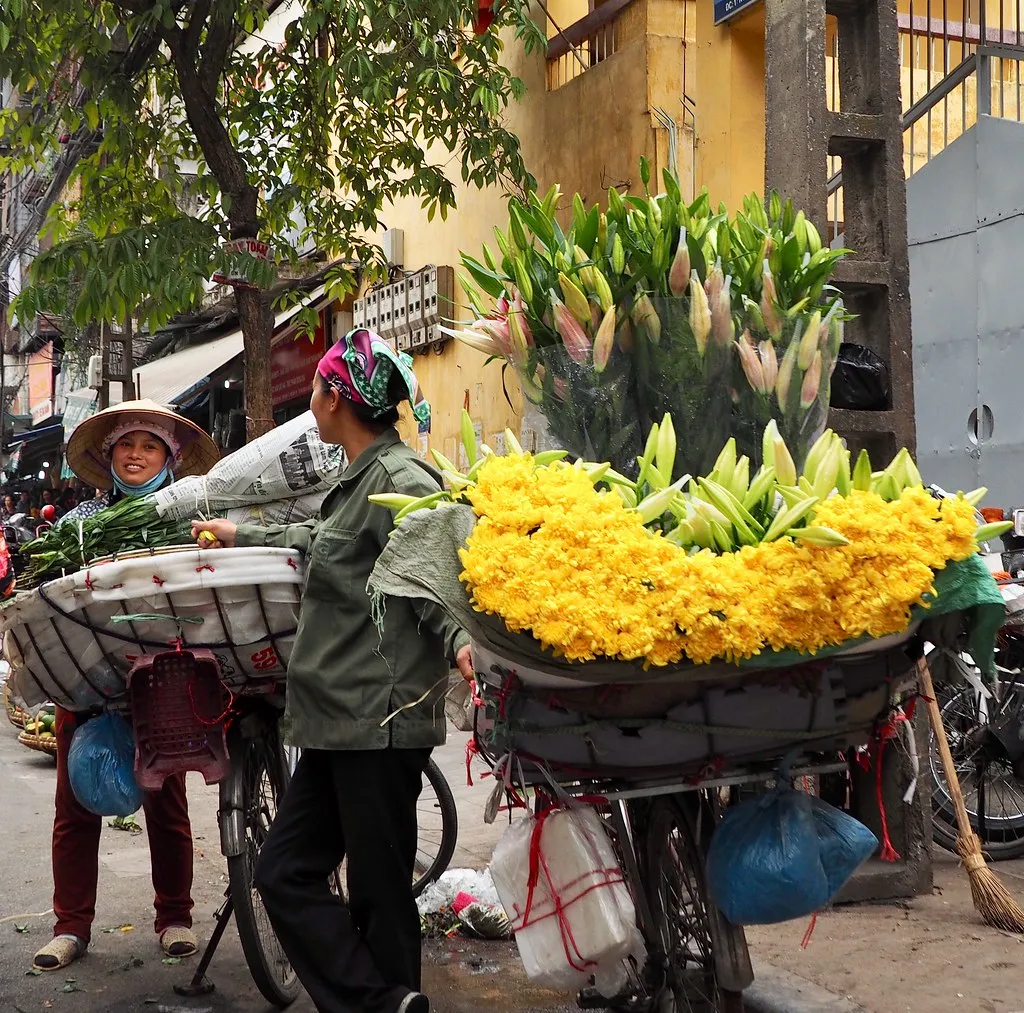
{"x":564,"y":892}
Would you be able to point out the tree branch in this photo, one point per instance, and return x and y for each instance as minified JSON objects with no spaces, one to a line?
{"x":220,"y":34}
{"x":194,"y":30}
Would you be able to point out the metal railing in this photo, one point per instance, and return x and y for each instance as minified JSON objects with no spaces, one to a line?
{"x":576,"y":48}
{"x":957,"y":62}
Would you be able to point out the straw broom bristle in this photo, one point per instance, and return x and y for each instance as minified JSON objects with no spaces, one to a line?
{"x":992,"y":900}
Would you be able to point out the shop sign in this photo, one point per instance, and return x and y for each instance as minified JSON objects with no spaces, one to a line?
{"x":293,"y":364}
{"x":40,"y":384}
{"x":727,"y":9}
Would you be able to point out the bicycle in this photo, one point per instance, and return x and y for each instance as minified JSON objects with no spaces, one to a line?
{"x":261,"y":768}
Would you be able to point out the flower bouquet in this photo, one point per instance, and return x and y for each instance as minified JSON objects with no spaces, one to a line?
{"x":737,"y":614}
{"x":747,"y":567}
{"x":660,"y":306}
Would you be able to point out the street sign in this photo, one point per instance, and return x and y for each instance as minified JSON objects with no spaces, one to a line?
{"x":255,"y":248}
{"x":727,"y":9}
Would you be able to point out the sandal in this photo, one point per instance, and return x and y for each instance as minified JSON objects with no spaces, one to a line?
{"x":179,"y":941}
{"x":58,"y":953}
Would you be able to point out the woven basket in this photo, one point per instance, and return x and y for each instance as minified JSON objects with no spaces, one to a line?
{"x":15,"y":714}
{"x":37,"y":742}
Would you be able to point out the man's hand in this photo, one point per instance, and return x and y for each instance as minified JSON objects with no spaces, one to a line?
{"x":215,"y":534}
{"x":464,"y":659}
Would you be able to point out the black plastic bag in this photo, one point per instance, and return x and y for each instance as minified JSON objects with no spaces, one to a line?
{"x":860,"y":380}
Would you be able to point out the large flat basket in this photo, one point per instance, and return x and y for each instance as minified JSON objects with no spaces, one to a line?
{"x":74,"y":640}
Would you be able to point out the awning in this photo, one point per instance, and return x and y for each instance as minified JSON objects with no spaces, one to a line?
{"x":44,"y":440}
{"x":174,"y":379}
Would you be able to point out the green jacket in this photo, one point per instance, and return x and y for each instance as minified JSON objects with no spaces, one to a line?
{"x":346,"y":675}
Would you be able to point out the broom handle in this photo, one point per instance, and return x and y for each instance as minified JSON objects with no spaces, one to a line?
{"x":953,"y":782}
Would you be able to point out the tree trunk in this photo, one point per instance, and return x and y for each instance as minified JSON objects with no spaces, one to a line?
{"x":257,"y":320}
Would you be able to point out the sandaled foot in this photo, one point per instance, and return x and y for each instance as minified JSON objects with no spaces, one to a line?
{"x":59,"y":952}
{"x":178,"y":941}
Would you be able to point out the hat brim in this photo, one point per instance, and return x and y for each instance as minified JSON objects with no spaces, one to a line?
{"x":85,"y":448}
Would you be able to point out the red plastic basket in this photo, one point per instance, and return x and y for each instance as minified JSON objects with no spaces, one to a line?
{"x":178,"y":712}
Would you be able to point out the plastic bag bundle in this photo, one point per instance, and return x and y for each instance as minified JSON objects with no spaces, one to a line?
{"x":783,"y":855}
{"x":861,"y":379}
{"x":101,"y":766}
{"x":564,"y":892}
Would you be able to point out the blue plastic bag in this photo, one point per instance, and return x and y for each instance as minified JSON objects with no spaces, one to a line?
{"x":783,"y":855}
{"x":101,"y":766}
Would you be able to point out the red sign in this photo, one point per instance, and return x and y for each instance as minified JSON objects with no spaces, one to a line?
{"x":293,"y":363}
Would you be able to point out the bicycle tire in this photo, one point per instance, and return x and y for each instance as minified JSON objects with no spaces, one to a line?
{"x":449,"y":828}
{"x":672,"y":849}
{"x":1004,"y":840}
{"x":270,"y":969}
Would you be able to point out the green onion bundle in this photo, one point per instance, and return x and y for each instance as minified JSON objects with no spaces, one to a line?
{"x":130,"y":524}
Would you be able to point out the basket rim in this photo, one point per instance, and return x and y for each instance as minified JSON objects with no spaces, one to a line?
{"x":37,"y":742}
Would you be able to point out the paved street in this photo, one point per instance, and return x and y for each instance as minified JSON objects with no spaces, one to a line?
{"x":932,"y":954}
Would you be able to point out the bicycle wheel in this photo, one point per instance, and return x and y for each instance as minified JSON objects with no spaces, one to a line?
{"x":258,"y":765}
{"x":678,"y":897}
{"x":438,"y":822}
{"x":996,"y":812}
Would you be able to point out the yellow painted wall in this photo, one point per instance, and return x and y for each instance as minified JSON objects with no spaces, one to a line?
{"x":587,"y":135}
{"x":730,"y":104}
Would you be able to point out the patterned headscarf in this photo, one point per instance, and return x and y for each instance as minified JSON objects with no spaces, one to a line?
{"x":359,"y":368}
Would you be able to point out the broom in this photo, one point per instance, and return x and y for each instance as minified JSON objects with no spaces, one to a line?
{"x":991,"y":899}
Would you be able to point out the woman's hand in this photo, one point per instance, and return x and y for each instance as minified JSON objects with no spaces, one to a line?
{"x":215,"y":534}
{"x":464,"y":659}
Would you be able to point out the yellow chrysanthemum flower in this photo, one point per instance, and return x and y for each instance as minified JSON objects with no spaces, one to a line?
{"x":553,"y":556}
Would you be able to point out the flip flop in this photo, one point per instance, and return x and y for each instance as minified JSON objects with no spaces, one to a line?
{"x":58,"y":953}
{"x":178,"y":941}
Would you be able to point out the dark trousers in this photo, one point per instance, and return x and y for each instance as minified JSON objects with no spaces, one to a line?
{"x":363,"y":957}
{"x":76,"y":845}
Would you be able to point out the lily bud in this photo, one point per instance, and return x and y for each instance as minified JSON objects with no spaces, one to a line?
{"x":645,"y":316}
{"x":518,"y":308}
{"x":618,"y":255}
{"x":700,"y":314}
{"x":575,"y":339}
{"x":679,"y":272}
{"x":714,"y":282}
{"x":769,"y":309}
{"x":602,"y":289}
{"x":517,"y":339}
{"x":560,"y":387}
{"x":785,"y":375}
{"x":722,"y":327}
{"x":769,"y":363}
{"x":812,"y":381}
{"x":577,"y":302}
{"x":604,"y":340}
{"x":836,"y":334}
{"x":785,"y":468}
{"x":751,"y":364}
{"x":809,"y":341}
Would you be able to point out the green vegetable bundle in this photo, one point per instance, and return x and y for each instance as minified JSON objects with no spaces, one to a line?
{"x":132,"y":523}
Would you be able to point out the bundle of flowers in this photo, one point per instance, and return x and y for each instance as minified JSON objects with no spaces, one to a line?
{"x":656,"y":306}
{"x":721,"y":567}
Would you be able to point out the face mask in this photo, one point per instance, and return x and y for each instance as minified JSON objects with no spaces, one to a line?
{"x":145,"y":489}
